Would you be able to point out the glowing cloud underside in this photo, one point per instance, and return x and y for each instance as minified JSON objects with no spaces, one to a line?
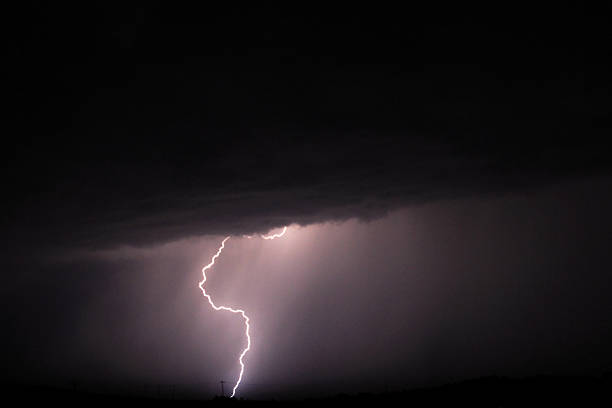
{"x":232,"y":310}
{"x":280,"y":234}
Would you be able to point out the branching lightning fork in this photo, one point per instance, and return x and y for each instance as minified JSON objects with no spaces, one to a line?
{"x":232,"y":310}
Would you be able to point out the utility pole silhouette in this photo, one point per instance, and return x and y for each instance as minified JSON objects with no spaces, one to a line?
{"x":222,"y":391}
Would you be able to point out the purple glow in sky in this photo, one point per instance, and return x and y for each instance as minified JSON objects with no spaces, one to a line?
{"x":407,"y":299}
{"x":444,"y":175}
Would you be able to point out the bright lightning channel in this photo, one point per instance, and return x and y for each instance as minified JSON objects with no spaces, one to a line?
{"x":280,"y":234}
{"x":232,"y":310}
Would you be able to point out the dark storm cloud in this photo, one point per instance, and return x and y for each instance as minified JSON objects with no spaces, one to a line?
{"x":137,"y":127}
{"x":242,"y":192}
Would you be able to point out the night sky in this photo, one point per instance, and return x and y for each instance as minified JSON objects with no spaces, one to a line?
{"x":444,"y":173}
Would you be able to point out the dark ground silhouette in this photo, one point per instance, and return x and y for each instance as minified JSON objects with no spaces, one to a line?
{"x":482,"y":392}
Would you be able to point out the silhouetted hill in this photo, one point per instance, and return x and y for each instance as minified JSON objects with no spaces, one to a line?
{"x":482,"y":392}
{"x":541,"y":391}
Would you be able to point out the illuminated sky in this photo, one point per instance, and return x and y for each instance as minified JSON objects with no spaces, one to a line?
{"x":423,"y":295}
{"x":446,"y":183}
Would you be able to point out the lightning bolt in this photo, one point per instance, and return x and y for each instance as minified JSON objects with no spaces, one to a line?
{"x":232,"y":310}
{"x":280,"y":234}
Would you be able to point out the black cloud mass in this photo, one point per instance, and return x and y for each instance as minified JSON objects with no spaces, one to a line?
{"x":147,"y":125}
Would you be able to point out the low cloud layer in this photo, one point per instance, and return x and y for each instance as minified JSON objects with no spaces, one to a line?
{"x":243,"y":187}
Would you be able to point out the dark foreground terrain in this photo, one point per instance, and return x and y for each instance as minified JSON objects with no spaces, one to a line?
{"x":543,"y":391}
